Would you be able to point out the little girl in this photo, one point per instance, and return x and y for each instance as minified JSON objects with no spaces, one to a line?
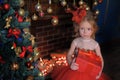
{"x":86,"y":47}
{"x":86,"y":43}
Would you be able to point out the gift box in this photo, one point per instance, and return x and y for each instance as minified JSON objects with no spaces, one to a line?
{"x":88,"y":62}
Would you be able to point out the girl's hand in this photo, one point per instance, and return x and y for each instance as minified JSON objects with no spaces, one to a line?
{"x":74,"y":66}
{"x":98,"y":76}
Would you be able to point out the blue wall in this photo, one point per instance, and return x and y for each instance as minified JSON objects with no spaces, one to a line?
{"x":108,"y":20}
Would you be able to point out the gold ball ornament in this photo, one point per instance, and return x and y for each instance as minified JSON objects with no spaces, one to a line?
{"x":49,"y":10}
{"x":34,"y":17}
{"x":87,"y":8}
{"x":81,"y":2}
{"x":54,"y":21}
{"x":38,"y":7}
{"x":63,"y":3}
{"x":21,"y":12}
{"x":22,"y":3}
{"x":95,"y":3}
{"x":97,"y":12}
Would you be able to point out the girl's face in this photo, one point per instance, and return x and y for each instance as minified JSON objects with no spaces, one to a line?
{"x":86,"y":29}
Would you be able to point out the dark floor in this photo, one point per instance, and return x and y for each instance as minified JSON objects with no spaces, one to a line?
{"x":111,"y":55}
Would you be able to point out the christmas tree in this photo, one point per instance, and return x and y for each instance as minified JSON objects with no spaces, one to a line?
{"x":18,"y":52}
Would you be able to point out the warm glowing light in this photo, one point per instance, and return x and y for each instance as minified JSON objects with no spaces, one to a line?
{"x":46,"y":66}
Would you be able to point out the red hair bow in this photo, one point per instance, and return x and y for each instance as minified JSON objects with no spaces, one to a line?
{"x":78,"y":14}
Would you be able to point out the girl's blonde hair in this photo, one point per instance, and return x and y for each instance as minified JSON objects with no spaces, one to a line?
{"x":90,"y":19}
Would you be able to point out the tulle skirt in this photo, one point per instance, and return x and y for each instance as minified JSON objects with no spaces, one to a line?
{"x":65,"y":73}
{"x":89,"y":68}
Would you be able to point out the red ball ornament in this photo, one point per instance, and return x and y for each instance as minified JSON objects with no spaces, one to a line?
{"x":6,"y":6}
{"x":100,"y":1}
{"x":20,"y":19}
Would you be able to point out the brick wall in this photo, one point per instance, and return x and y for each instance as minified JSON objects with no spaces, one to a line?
{"x":50,"y":38}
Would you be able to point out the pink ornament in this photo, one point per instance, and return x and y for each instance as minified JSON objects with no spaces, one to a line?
{"x":41,"y":14}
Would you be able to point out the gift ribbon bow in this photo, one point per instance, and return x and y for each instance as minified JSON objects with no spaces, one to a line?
{"x":29,"y":48}
{"x":16,"y":32}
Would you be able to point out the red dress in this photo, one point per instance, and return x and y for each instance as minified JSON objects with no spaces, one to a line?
{"x":89,"y":67}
